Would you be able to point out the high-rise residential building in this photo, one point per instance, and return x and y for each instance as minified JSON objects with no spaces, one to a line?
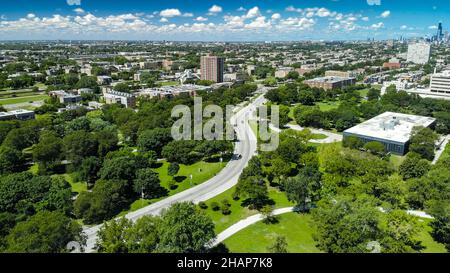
{"x":419,"y":53}
{"x":440,"y":83}
{"x":212,"y":68}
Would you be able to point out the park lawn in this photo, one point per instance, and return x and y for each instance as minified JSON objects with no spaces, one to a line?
{"x":201,"y":172}
{"x":431,"y":246}
{"x":329,"y":105}
{"x":363,"y":92}
{"x":257,"y":237}
{"x":41,"y":86}
{"x":239,"y":212}
{"x":169,"y":83}
{"x":23,"y":99}
{"x":396,"y":160}
{"x":318,"y":136}
{"x":77,"y":187}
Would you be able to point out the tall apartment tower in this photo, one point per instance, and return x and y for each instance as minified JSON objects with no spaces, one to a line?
{"x":419,"y":53}
{"x":212,"y":68}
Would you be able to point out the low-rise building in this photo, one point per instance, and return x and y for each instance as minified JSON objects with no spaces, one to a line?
{"x":394,"y":130}
{"x":283,"y":72}
{"x":341,"y":74}
{"x":104,"y":80}
{"x":65,"y":97}
{"x":329,"y":83}
{"x":19,"y":114}
{"x":126,"y":99}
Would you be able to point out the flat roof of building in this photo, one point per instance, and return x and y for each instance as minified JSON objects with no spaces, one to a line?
{"x":390,"y":126}
{"x":330,"y":79}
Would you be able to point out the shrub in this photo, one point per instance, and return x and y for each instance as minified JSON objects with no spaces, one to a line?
{"x":202,"y":205}
{"x":226,"y":203}
{"x":215,"y":206}
{"x":225,"y":210}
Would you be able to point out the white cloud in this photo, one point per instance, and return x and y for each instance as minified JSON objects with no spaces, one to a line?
{"x":253,"y":12}
{"x":201,"y":19}
{"x":404,"y":27}
{"x":377,"y":25}
{"x":374,"y":2}
{"x":188,"y":14}
{"x":293,"y":9}
{"x":432,"y":27}
{"x":323,"y":12}
{"x":163,"y":20}
{"x":259,"y":22}
{"x":215,"y":9}
{"x":31,"y":16}
{"x":170,"y":13}
{"x":386,"y":14}
{"x":79,"y":10}
{"x":276,"y":16}
{"x":365,"y":19}
{"x":73,"y":2}
{"x":241,"y":8}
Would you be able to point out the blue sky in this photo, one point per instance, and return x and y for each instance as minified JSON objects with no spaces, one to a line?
{"x":232,"y":20}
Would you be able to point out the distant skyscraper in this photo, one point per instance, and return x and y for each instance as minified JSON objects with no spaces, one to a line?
{"x":419,"y":53}
{"x":440,"y":34}
{"x":212,"y":68}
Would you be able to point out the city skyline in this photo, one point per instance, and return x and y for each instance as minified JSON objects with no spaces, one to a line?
{"x":220,"y":20}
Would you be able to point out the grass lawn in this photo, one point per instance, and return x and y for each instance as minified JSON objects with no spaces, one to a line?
{"x":329,"y":105}
{"x":298,"y":233}
{"x":77,"y":187}
{"x":169,"y":83}
{"x":363,"y":92}
{"x":254,"y":126}
{"x":239,"y":212}
{"x":257,"y":237}
{"x":23,"y":99}
{"x":396,"y":160}
{"x":318,"y":136}
{"x":201,"y":172}
{"x":431,"y":246}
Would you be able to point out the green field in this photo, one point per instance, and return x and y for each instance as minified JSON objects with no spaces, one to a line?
{"x":329,"y":105}
{"x":169,"y":83}
{"x":257,"y":237}
{"x":430,"y":245}
{"x":201,"y":172}
{"x":23,"y":99}
{"x":396,"y":160}
{"x":295,"y":227}
{"x":238,"y":212}
{"x":318,"y":136}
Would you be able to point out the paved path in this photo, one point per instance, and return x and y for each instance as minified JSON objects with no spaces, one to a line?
{"x":224,"y":180}
{"x":245,"y":223}
{"x":441,"y":149}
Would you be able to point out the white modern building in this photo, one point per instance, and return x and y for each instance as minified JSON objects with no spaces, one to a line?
{"x":440,"y":82}
{"x":419,"y":53}
{"x":394,"y":130}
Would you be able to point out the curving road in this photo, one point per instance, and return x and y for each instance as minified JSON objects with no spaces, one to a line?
{"x":245,"y":146}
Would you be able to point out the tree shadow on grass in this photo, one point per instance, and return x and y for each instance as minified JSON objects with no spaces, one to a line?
{"x":179,"y":179}
{"x":253,"y":203}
